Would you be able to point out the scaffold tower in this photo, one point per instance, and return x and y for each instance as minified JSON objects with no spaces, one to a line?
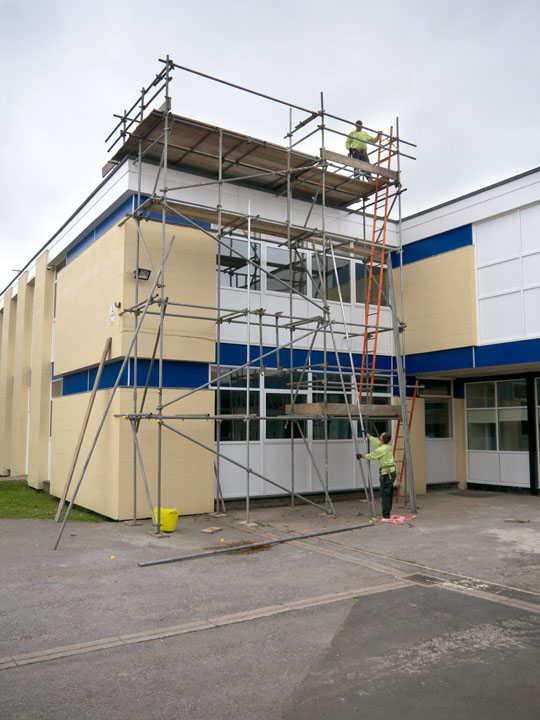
{"x":325,"y":181}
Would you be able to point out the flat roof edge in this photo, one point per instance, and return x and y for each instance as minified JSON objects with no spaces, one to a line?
{"x":472,"y":193}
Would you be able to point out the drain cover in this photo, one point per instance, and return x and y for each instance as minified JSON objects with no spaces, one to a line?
{"x":423,"y":579}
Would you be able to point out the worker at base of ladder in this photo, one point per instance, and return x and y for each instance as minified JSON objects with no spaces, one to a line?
{"x":387,"y":469}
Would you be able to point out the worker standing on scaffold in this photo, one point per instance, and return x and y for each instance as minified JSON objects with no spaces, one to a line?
{"x":356,"y":143}
{"x":387,"y":470}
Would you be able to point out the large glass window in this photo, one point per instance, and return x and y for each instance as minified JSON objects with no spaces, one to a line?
{"x":276,"y":402}
{"x":337,"y":429}
{"x":513,"y":432}
{"x":280,"y":429}
{"x":481,"y":395}
{"x":236,"y":271}
{"x":497,"y":416}
{"x":512,"y":402}
{"x":331,"y":280}
{"x":482,"y":429}
{"x":233,"y":401}
{"x":281,"y":268}
{"x":361,"y":272}
{"x":512,"y":393}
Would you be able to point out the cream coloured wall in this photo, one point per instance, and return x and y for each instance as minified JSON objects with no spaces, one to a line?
{"x":86,"y":289}
{"x":440,"y":302}
{"x":418,"y":444}
{"x":21,"y":374}
{"x":7,"y":357}
{"x":190,"y":277}
{"x":89,"y":287}
{"x":187,"y":469}
{"x":107,"y":488}
{"x":99,"y":489}
{"x":460,"y":444}
{"x":40,"y":373}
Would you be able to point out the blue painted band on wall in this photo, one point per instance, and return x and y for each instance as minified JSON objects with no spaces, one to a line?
{"x":115,"y":216}
{"x":176,"y":374}
{"x":455,"y":359}
{"x":111,"y":220}
{"x":434,"y":245}
{"x":495,"y":355}
{"x":508,"y":353}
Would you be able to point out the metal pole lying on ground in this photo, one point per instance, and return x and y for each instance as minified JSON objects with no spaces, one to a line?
{"x":255,"y":545}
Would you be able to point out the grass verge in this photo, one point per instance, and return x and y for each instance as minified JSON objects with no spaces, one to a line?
{"x":17,"y":500}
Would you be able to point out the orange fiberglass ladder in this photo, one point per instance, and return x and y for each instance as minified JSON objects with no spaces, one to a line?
{"x":406,"y":461}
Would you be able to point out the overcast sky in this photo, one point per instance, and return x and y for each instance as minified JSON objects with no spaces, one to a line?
{"x":461,"y":76}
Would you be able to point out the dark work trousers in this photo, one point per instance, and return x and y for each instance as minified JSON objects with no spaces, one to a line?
{"x":387,"y":492}
{"x":360,"y":155}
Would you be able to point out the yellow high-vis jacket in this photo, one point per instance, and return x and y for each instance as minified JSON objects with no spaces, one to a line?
{"x":357,"y":140}
{"x":383,"y":454}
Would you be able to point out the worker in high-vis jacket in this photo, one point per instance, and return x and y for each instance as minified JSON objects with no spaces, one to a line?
{"x":387,"y":470}
{"x":356,"y":142}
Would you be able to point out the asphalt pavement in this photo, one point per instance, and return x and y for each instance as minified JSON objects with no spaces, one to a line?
{"x":438,"y":616}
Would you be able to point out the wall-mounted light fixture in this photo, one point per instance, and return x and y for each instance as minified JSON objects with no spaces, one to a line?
{"x":141,"y":273}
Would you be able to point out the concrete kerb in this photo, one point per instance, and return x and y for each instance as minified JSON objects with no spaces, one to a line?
{"x":230,"y":619}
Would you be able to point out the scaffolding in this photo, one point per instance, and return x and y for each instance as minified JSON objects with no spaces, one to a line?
{"x":325,"y":182}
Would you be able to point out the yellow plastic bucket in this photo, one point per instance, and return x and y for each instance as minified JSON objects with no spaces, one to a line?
{"x":169,"y":518}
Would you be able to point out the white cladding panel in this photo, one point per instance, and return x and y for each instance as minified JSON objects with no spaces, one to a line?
{"x":531,"y":270}
{"x":440,"y":461}
{"x":508,"y":276}
{"x":532,"y":311}
{"x":499,"y":468}
{"x":483,"y":467}
{"x":502,"y":198}
{"x":514,"y":469}
{"x":499,"y":277}
{"x":501,"y":318}
{"x":530,"y":228}
{"x":497,"y":239}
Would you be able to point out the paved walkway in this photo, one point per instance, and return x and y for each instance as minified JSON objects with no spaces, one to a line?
{"x":440,"y":616}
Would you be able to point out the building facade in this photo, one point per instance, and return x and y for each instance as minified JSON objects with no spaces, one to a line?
{"x":467,"y":278}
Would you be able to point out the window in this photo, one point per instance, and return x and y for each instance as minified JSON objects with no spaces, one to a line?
{"x":481,"y":395}
{"x":336,"y":429}
{"x":482,"y":429}
{"x":330,"y":281}
{"x":438,"y":418}
{"x":277,"y":384}
{"x":233,"y":401}
{"x":279,"y":268}
{"x":361,"y":272}
{"x":281,"y":429}
{"x":234,"y":270}
{"x":497,"y":416}
{"x":512,"y":401}
{"x":438,"y":408}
